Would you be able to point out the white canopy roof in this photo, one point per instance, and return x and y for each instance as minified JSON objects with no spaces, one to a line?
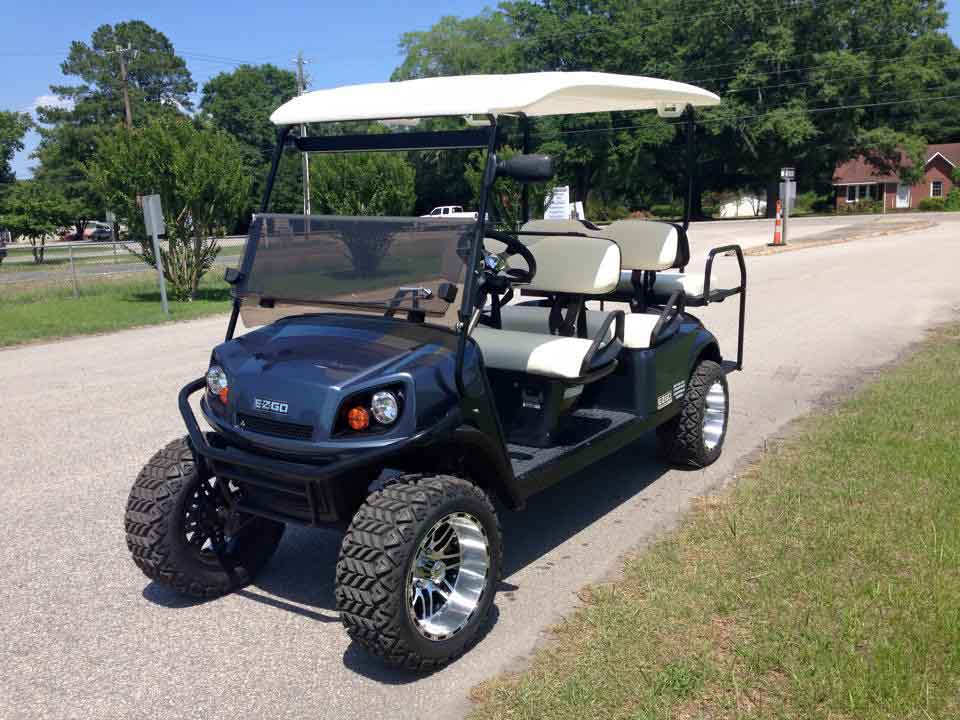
{"x":536,"y":94}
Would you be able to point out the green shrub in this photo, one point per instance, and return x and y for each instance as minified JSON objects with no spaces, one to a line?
{"x":931,"y":204}
{"x":864,"y":207}
{"x":811,"y":202}
{"x":599,"y":209}
{"x":667,"y":210}
{"x":953,"y":200}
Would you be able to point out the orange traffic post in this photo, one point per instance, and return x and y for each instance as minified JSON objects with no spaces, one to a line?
{"x":777,"y":237}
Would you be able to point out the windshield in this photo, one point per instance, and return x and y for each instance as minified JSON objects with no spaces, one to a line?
{"x":294,"y":264}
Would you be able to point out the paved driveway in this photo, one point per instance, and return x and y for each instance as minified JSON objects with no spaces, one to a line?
{"x":86,"y":636}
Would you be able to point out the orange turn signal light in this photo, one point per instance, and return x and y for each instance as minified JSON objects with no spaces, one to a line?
{"x":223,"y":395}
{"x":358,"y":418}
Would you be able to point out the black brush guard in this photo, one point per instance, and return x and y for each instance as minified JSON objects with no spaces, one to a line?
{"x":304,"y":493}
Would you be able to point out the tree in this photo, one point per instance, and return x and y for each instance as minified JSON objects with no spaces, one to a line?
{"x":363,"y":184}
{"x":802,"y":83}
{"x":13,"y":128}
{"x":240,"y":103}
{"x":198,"y":172}
{"x":159,"y":83}
{"x":34,"y":210}
{"x":458,"y":46}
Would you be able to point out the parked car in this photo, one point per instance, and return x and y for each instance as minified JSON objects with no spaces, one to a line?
{"x":450,"y":211}
{"x":94,"y":231}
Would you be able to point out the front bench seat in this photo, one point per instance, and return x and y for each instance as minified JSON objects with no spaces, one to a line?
{"x":565,"y":266}
{"x":539,"y":353}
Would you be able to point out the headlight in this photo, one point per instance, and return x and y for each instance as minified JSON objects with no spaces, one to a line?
{"x":217,"y":383}
{"x":384,"y":407}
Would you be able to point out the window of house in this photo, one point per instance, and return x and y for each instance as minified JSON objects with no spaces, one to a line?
{"x":936,"y":188}
{"x":851,"y":193}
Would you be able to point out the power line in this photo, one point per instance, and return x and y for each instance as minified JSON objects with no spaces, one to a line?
{"x":704,"y":121}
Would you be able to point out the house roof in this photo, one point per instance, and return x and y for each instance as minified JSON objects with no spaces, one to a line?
{"x":858,"y":170}
{"x":544,"y":93}
{"x":949,"y":151}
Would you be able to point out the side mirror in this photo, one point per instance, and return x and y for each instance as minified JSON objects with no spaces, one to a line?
{"x":527,"y":168}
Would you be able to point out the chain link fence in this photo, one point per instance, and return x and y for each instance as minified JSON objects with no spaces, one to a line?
{"x":73,"y":269}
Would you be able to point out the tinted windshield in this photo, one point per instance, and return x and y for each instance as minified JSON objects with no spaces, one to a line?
{"x":294,"y":264}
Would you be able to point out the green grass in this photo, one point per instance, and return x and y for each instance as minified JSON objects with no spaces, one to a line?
{"x":50,"y":311}
{"x":825,"y":584}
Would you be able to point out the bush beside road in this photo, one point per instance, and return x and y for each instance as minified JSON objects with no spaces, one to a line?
{"x":825,"y":584}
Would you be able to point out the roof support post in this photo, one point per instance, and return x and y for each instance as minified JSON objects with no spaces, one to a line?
{"x":274,"y":165}
{"x":525,"y":193}
{"x":471,"y":274}
{"x":690,"y":130}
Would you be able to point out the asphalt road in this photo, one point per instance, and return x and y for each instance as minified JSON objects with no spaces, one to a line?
{"x":85,"y":635}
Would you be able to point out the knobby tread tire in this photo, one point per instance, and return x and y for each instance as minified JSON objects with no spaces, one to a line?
{"x":681,"y":438}
{"x":155,"y":537}
{"x":374,"y":558}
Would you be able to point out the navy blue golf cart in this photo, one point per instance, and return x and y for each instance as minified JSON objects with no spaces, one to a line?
{"x":401,"y":375}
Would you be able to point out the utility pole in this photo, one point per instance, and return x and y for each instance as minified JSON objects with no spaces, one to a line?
{"x":301,"y":87}
{"x":121,"y":53}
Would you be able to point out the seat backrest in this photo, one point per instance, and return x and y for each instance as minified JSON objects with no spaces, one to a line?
{"x":650,"y":244}
{"x":571,"y":264}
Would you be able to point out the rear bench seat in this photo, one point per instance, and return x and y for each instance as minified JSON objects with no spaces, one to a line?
{"x":638,"y":327}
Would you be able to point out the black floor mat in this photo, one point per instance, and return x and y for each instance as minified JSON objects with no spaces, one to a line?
{"x":576,"y":429}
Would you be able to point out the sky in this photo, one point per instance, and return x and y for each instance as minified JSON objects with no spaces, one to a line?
{"x":346,"y":42}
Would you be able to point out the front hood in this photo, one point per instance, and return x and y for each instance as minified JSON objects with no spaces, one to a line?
{"x":299,"y":369}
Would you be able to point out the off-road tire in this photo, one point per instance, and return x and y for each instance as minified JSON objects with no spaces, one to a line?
{"x":375,"y":557}
{"x":681,"y":439}
{"x":156,"y":537}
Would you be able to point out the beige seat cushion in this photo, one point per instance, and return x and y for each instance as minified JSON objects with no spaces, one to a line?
{"x":666,"y":283}
{"x":539,"y":354}
{"x":637,"y":327}
{"x":645,"y":244}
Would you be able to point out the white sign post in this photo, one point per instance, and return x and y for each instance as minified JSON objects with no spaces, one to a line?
{"x":558,"y":204}
{"x":153,"y":220}
{"x":788,"y":191}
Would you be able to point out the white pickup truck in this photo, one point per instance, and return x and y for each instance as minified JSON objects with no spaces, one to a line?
{"x":450,"y":211}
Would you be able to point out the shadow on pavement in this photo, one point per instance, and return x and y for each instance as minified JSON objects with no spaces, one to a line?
{"x":300,"y":577}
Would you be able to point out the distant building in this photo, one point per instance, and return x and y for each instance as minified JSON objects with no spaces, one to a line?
{"x":857,"y":180}
{"x":734,"y":205}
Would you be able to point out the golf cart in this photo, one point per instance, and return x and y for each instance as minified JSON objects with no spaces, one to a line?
{"x":406,"y":373}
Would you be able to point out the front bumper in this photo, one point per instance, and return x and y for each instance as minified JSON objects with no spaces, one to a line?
{"x":306,"y":493}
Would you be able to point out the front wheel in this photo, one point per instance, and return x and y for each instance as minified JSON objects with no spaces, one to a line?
{"x":177,"y":530}
{"x":694,"y":437}
{"x":418,"y":570}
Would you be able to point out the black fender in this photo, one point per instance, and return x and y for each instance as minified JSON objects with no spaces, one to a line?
{"x":487,"y":464}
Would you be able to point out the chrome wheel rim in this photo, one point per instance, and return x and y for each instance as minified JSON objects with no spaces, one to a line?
{"x":714,"y":415}
{"x":448,"y":575}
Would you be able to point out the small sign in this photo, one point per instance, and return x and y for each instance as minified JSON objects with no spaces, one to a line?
{"x":152,"y":215}
{"x":558,"y":204}
{"x":788,"y":194}
{"x":578,"y":211}
{"x":787,"y":173}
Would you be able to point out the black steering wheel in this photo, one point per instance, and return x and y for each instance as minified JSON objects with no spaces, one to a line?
{"x":496,"y":263}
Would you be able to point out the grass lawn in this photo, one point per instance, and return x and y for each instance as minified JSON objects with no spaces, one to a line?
{"x":51,"y":311}
{"x":825,"y":584}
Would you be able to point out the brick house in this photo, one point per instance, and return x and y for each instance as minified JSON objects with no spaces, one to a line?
{"x":857,"y":180}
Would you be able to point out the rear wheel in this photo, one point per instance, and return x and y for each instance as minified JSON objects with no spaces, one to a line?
{"x":418,"y":570}
{"x":694,"y":437}
{"x":178,"y":531}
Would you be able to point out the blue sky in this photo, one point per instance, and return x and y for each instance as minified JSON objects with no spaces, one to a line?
{"x":346,"y":42}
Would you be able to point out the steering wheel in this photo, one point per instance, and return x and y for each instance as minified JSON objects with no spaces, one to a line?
{"x":496,"y":263}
